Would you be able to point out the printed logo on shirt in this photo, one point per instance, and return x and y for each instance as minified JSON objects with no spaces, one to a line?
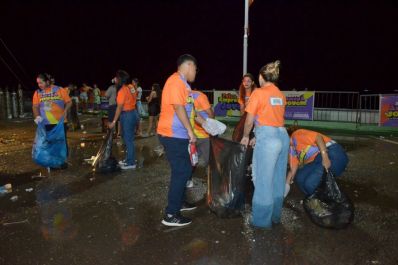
{"x":276,"y":101}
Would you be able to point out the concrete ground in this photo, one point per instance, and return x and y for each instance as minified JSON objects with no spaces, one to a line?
{"x":76,"y":216}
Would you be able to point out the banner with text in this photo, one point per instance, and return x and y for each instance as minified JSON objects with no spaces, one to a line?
{"x":389,"y":110}
{"x":299,"y":105}
{"x":226,"y":104}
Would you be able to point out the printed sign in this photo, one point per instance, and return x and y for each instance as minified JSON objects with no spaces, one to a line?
{"x":226,"y":104}
{"x":389,"y":110}
{"x":299,"y":105}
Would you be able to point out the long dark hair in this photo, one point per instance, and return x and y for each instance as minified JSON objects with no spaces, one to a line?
{"x":46,"y":78}
{"x":158,"y":90}
{"x":124,"y":78}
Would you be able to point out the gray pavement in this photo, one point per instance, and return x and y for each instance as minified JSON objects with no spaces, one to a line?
{"x":75,"y":216}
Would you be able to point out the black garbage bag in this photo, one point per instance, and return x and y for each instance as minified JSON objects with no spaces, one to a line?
{"x":227,"y":177}
{"x":239,"y":128}
{"x":104,"y":162}
{"x":329,"y":207}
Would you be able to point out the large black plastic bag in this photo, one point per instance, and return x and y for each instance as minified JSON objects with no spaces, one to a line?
{"x":227,"y":177}
{"x":329,"y":207}
{"x":104,"y":162}
{"x":49,"y":148}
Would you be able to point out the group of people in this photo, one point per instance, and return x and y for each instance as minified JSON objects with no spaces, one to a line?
{"x":86,"y":98}
{"x":184,"y":116}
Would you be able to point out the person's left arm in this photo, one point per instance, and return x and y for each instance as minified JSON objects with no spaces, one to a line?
{"x":324,"y":151}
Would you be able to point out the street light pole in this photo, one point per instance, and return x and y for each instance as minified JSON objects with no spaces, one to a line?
{"x":245,"y":36}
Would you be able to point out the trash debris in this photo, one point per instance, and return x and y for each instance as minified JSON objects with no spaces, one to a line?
{"x":15,"y":223}
{"x":14,"y":198}
{"x":329,"y":207}
{"x":159,"y":150}
{"x":38,"y":176}
{"x":29,"y":189}
{"x":82,"y":144}
{"x":392,"y":163}
{"x":5,"y":189}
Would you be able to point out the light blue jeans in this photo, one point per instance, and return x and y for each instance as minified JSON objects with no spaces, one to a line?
{"x":270,"y":158}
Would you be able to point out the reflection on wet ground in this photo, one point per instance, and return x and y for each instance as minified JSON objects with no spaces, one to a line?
{"x":77,"y":216}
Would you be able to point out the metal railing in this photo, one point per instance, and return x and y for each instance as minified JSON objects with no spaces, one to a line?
{"x":336,"y":106}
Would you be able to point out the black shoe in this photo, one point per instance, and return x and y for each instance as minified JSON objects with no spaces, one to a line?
{"x":176,"y":220}
{"x":187,"y":207}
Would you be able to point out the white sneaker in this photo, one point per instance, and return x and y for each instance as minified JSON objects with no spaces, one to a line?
{"x":126,"y":167}
{"x":122,"y":162}
{"x":189,"y":184}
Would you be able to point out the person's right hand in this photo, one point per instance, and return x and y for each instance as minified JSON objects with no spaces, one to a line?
{"x":192,"y":137}
{"x":38,"y":119}
{"x":244,"y":141}
{"x":111,"y":125}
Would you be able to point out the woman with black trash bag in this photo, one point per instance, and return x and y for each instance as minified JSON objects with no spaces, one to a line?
{"x":266,"y":108}
{"x":310,"y":154}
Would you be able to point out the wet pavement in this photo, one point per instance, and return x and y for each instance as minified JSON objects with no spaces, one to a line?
{"x":76,"y":216}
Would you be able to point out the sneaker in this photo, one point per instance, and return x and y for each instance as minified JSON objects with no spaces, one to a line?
{"x":189,"y":184}
{"x":122,"y":163}
{"x":125,"y":167}
{"x":176,"y":220}
{"x":187,"y":207}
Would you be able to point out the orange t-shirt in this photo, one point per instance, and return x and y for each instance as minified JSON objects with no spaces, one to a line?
{"x":127,"y":96}
{"x":267,"y":104}
{"x":176,"y":91}
{"x":51,"y":102}
{"x":303,"y":147}
{"x":201,"y":103}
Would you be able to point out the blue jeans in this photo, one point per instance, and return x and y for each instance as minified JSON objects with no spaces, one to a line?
{"x":309,"y":176}
{"x":270,"y":157}
{"x":181,"y":170}
{"x":129,"y":120}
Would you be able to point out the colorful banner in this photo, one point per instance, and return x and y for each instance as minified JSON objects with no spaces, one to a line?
{"x":389,"y":110}
{"x":299,"y":105}
{"x":226,"y":104}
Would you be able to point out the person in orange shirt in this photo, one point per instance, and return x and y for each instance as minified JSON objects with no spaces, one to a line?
{"x":50,"y":104}
{"x":311,"y":153}
{"x":203,"y":109}
{"x":126,"y":101}
{"x":245,"y":90}
{"x":266,"y":108}
{"x":175,"y":133}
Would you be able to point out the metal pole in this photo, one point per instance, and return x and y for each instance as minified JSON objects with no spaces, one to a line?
{"x":245,"y":37}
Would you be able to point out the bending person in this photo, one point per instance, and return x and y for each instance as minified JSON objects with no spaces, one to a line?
{"x":311,"y":153}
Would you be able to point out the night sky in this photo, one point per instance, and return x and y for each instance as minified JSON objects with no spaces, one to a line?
{"x":323,"y":45}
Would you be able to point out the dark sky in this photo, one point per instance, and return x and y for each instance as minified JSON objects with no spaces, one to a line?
{"x":323,"y":45}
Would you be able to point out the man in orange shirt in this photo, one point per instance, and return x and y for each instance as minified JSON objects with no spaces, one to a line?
{"x":175,"y":133}
{"x":310,"y":154}
{"x":50,"y":104}
{"x":126,"y":101}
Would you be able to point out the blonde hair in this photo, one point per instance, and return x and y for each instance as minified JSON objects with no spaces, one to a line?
{"x":270,"y":72}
